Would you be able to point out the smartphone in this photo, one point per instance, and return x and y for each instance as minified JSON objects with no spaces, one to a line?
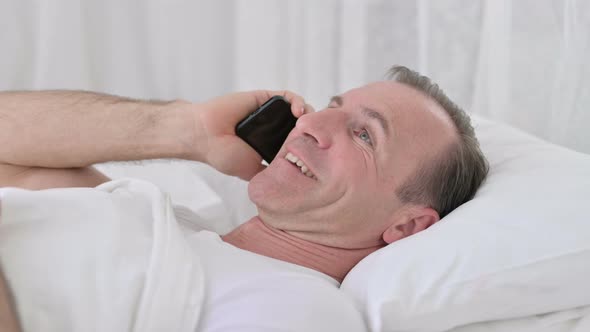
{"x":267,"y":128}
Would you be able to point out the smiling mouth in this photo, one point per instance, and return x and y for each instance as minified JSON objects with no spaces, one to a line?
{"x":293,"y":159}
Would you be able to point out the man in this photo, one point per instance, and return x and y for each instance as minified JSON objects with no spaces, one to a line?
{"x":380,"y":163}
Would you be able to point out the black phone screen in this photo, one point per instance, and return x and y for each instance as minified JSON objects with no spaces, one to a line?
{"x":266,"y":129}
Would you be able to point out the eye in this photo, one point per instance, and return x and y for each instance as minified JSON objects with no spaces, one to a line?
{"x":364,"y":135}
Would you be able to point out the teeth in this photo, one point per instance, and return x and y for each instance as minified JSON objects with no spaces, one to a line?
{"x":304,"y":169}
{"x":290,"y":157}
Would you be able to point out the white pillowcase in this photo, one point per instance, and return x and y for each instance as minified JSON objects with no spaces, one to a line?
{"x":520,"y":247}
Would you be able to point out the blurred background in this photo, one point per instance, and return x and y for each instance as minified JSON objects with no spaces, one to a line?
{"x":522,"y":62}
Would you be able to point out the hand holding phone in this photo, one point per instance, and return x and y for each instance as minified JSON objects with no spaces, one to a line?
{"x":216,"y":141}
{"x":267,"y":128}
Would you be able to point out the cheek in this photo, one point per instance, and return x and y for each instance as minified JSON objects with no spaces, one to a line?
{"x":371,"y":191}
{"x":373,"y":211}
{"x":352,"y":163}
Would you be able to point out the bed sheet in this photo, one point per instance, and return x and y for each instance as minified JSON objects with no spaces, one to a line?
{"x":575,"y":320}
{"x":111,"y":258}
{"x":218,"y":202}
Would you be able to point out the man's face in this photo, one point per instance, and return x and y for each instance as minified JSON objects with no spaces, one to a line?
{"x":356,"y":153}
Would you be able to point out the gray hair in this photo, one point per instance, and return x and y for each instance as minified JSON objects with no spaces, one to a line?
{"x":453,"y":176}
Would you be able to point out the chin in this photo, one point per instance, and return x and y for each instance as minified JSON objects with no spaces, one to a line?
{"x":270,"y":196}
{"x":263,"y":190}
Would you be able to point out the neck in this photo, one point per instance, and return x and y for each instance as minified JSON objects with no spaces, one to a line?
{"x":257,"y":237}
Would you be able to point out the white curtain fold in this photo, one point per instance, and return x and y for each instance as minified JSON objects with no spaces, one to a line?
{"x":519,"y":62}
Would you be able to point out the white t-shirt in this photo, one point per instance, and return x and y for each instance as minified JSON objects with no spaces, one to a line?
{"x":249,"y":292}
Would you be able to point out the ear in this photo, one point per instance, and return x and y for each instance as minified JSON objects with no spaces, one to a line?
{"x":413,"y":221}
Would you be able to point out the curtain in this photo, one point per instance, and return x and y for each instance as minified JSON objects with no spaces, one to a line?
{"x":519,"y":62}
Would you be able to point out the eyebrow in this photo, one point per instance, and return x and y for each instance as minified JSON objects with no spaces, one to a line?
{"x":368,"y":112}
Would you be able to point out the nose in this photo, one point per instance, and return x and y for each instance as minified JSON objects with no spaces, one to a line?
{"x":320,"y":126}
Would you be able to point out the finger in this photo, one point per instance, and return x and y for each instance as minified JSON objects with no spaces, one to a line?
{"x":233,"y":107}
{"x":297,"y":102}
{"x":298,"y":106}
{"x":309,"y":109}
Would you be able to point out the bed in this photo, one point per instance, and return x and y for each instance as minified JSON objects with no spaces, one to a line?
{"x":515,"y":258}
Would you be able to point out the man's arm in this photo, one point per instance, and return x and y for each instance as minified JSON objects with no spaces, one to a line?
{"x":67,"y":129}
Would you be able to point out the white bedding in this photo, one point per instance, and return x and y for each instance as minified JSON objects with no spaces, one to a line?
{"x":574,"y":320}
{"x":111,"y":259}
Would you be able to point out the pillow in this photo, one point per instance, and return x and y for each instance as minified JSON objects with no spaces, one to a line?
{"x":521,"y":247}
